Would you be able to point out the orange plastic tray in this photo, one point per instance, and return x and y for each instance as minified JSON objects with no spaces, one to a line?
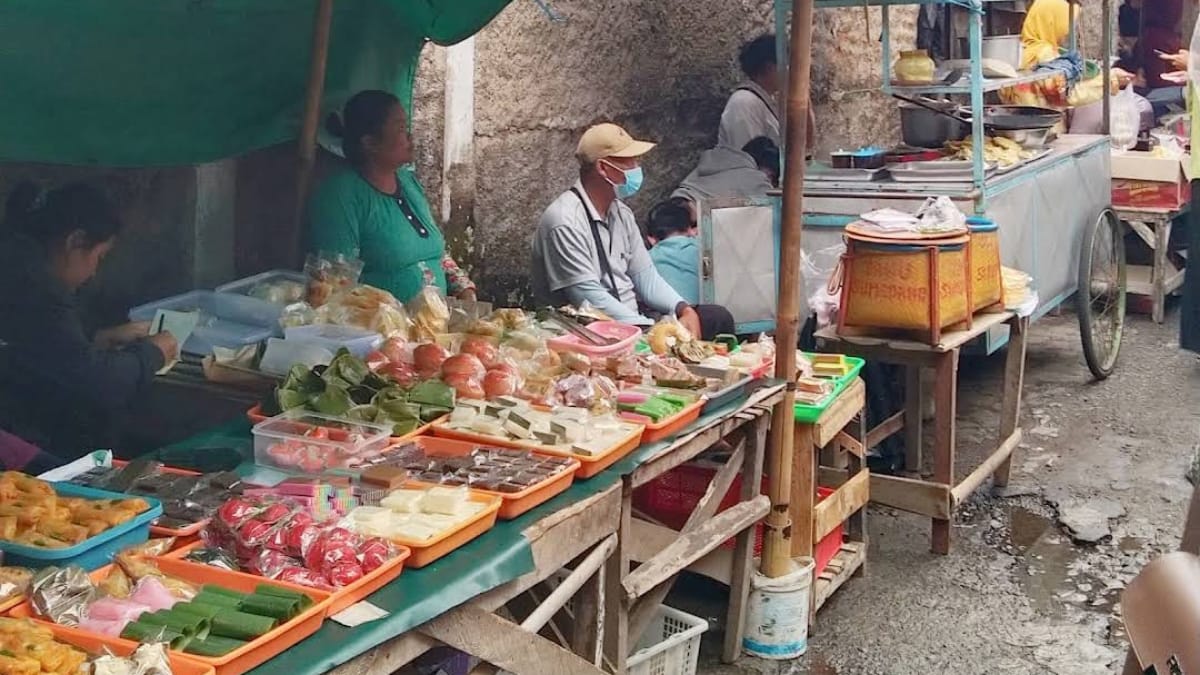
{"x":672,"y":425}
{"x":11,"y":602}
{"x":514,"y":503}
{"x":184,"y":535}
{"x":180,"y":665}
{"x":589,"y":465}
{"x":255,"y":416}
{"x":339,"y":599}
{"x":255,"y":652}
{"x":425,"y":552}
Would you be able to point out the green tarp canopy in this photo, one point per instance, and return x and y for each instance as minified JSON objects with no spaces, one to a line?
{"x":173,"y":82}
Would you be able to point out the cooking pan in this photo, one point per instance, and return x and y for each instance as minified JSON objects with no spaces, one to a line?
{"x":996,"y":117}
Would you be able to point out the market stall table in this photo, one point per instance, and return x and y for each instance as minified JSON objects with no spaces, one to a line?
{"x":453,"y":600}
{"x":828,"y":455}
{"x":1165,"y":274}
{"x":940,"y":497}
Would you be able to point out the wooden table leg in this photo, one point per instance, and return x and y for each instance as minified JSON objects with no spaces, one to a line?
{"x":914,"y":395}
{"x":1158,"y":282}
{"x":616,"y":610}
{"x":804,"y":490}
{"x":946,"y":402}
{"x":1014,"y":381}
{"x":743,"y":552}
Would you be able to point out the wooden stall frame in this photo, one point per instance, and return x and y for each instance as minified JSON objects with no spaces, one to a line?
{"x":1165,"y":275}
{"x":939,"y":497}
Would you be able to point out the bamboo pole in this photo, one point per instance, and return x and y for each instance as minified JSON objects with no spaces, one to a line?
{"x":307,"y":143}
{"x":777,"y":545}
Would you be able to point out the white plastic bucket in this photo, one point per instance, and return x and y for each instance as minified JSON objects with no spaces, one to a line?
{"x":777,"y":614}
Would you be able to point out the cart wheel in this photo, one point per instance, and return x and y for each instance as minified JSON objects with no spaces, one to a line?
{"x":1101,"y":294}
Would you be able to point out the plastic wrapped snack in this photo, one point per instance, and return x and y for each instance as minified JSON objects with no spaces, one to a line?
{"x":329,"y":273}
{"x":429,"y":313}
{"x":366,"y":307}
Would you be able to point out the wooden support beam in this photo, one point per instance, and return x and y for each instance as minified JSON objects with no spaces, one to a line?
{"x":840,"y":413}
{"x":503,"y":644}
{"x":981,"y":473}
{"x":914,"y":395}
{"x":692,"y":546}
{"x":803,"y":491}
{"x":741,"y":568}
{"x":1014,"y":382}
{"x":832,"y":511}
{"x":851,"y":444}
{"x":886,"y":429}
{"x":906,"y":494}
{"x":307,"y":143}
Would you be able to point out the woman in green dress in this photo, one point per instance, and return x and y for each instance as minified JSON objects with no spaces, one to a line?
{"x":374,"y":209}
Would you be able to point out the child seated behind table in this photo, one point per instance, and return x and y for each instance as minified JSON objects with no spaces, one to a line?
{"x":674,"y":249}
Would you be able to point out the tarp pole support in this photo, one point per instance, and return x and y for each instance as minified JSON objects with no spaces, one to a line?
{"x":777,"y":544}
{"x":307,"y":148}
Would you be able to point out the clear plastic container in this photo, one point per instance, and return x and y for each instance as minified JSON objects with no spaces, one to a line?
{"x":213,"y":329}
{"x":249,"y":300}
{"x":359,"y":341}
{"x":304,"y":442}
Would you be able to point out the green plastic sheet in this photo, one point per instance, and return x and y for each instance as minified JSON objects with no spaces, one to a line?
{"x":174,"y":82}
{"x":418,"y":595}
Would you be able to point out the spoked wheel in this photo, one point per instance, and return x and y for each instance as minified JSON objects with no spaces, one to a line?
{"x":1101,"y":294}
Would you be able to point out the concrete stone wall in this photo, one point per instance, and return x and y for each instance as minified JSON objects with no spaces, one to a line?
{"x":661,"y":68}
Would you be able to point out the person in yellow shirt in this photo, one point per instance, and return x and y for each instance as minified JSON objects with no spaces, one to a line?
{"x":1046,"y":29}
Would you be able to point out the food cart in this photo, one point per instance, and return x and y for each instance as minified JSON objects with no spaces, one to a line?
{"x":1054,"y":210}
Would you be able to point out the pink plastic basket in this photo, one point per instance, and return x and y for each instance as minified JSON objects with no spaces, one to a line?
{"x":625,"y":335}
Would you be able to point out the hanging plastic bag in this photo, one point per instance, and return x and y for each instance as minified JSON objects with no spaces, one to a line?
{"x":1126,"y":118}
{"x":817,"y":270}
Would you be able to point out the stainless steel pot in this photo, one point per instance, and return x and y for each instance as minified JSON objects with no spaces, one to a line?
{"x":924,"y":128}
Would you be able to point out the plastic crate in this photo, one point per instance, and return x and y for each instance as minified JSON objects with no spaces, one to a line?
{"x":673,"y":496}
{"x":235,"y":303}
{"x":93,"y":552}
{"x":670,"y":645}
{"x":213,"y":330}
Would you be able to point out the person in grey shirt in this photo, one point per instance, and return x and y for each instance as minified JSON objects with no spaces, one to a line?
{"x":728,"y":172}
{"x":588,"y":247}
{"x":752,"y":107}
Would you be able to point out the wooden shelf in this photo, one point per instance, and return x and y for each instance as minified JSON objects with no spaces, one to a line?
{"x":848,"y":561}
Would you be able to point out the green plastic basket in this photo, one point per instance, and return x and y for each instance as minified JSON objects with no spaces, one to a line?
{"x":810,"y":413}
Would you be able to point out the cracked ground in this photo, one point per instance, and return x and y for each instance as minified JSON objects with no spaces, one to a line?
{"x":1021,"y":592}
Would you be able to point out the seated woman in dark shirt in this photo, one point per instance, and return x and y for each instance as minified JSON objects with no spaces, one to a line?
{"x":60,"y":389}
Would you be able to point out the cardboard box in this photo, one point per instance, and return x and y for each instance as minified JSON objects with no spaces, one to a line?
{"x":1161,"y":610}
{"x":1143,"y":180}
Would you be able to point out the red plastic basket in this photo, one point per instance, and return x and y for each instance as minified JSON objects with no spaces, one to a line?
{"x":671,"y":497}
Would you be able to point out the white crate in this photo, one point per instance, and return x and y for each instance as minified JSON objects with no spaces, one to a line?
{"x":670,"y":645}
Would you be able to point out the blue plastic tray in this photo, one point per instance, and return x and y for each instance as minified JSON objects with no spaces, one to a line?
{"x":95,"y":552}
{"x":214,"y":330}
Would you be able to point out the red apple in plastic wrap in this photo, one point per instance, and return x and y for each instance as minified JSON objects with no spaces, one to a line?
{"x":464,"y":364}
{"x":376,"y":360}
{"x":402,"y":374}
{"x":268,"y":563}
{"x":275,"y":512}
{"x":465,"y":386}
{"x":499,"y":383}
{"x":395,"y":350}
{"x":428,"y":359}
{"x":481,"y":348}
{"x":253,"y":533}
{"x":298,"y":537}
{"x":236,"y":510}
{"x":344,"y":574}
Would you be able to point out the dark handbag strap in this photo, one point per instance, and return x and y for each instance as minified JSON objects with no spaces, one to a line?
{"x":605,"y":268}
{"x":759,"y":97}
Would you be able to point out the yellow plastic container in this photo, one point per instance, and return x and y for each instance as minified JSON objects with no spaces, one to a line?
{"x":890,"y":285}
{"x":987,"y":285}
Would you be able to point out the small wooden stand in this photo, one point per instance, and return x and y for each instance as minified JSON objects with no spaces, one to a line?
{"x":1165,"y":276}
{"x":940,"y":497}
{"x":843,"y":464}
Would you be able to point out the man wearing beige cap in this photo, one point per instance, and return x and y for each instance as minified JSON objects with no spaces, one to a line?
{"x":588,"y":246}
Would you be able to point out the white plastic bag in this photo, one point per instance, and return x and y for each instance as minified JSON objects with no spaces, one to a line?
{"x":816,"y":270}
{"x":1126,"y":119}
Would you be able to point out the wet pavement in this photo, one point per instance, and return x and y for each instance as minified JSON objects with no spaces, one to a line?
{"x":1020,"y":592}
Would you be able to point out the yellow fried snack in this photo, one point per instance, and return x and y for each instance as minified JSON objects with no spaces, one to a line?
{"x":32,"y":513}
{"x":13,"y":665}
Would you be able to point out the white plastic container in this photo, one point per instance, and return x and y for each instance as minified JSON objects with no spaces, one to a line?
{"x":213,"y":330}
{"x":358,"y":340}
{"x":304,"y":442}
{"x":777,"y":614}
{"x":670,"y":645}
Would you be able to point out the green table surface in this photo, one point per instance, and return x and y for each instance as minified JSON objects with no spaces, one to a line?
{"x":418,"y":595}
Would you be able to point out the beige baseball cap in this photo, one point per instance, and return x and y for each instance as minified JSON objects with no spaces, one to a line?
{"x":609,"y":140}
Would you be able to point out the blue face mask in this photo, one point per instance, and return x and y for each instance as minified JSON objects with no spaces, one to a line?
{"x":633,"y":182}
